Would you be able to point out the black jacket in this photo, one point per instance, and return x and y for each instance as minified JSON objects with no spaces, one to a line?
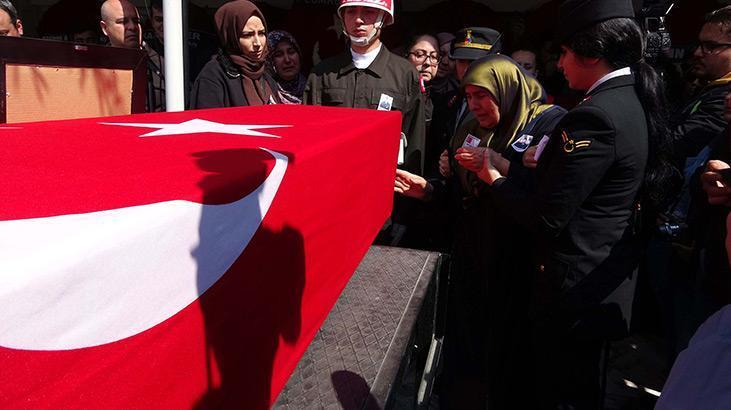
{"x":337,"y":82}
{"x":700,"y":121}
{"x":587,"y":182}
{"x":219,"y":85}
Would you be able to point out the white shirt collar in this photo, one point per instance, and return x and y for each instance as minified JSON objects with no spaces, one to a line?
{"x":613,"y":74}
{"x":362,"y":61}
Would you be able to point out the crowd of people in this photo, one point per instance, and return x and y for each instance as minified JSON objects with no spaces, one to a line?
{"x":557,"y":219}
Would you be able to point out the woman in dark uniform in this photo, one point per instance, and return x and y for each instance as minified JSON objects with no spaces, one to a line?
{"x":588,"y":182}
{"x":487,"y":295}
{"x":237,"y":75}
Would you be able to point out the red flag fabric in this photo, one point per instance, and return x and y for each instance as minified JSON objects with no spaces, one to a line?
{"x":180,"y":260}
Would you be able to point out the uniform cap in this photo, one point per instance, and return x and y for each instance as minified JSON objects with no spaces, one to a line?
{"x":385,"y":5}
{"x":576,"y":15}
{"x":472,"y":43}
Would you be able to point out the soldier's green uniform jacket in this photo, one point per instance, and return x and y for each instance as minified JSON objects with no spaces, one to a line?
{"x":337,"y":82}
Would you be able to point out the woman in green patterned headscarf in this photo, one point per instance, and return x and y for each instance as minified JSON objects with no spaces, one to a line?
{"x":519,"y":99}
{"x":504,"y":102}
{"x":489,"y":280}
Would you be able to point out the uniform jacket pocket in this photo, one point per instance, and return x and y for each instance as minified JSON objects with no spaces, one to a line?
{"x":333,"y":96}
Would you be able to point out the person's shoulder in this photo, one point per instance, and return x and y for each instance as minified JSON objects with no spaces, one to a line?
{"x":332,"y":64}
{"x":470,"y":126}
{"x":714,"y":94}
{"x":400,"y":64}
{"x":616,"y":97}
{"x":397,"y":60}
{"x":547,"y":120}
{"x":590,"y":114}
{"x":151,"y":52}
{"x":212,"y":68}
{"x":612,"y":92}
{"x":553,"y":110}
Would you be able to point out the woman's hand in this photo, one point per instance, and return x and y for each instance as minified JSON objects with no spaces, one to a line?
{"x":488,"y":172}
{"x":412,"y":185}
{"x":444,"y":168}
{"x":529,"y":157}
{"x":501,"y":163}
{"x":471,"y":159}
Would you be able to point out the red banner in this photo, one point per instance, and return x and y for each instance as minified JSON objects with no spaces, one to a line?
{"x":180,"y":260}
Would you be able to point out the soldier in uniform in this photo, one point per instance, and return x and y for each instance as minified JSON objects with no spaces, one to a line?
{"x":370,"y":76}
{"x":472,"y":43}
{"x":588,"y":181}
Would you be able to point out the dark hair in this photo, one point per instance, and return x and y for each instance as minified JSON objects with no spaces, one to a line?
{"x":720,"y":16}
{"x":524,"y":45}
{"x":620,"y":43}
{"x":8,"y":7}
{"x":414,"y":39}
{"x":156,"y":4}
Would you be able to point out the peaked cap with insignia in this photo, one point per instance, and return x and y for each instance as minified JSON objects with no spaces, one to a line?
{"x":576,"y":15}
{"x":472,"y":43}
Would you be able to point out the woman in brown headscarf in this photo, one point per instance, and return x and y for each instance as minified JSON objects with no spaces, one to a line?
{"x":237,"y":75}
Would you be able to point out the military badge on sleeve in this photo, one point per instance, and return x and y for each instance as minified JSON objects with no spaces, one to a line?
{"x":522,"y":143}
{"x":569,"y":145}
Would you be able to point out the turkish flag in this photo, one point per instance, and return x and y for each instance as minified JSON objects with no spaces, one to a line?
{"x":180,"y":260}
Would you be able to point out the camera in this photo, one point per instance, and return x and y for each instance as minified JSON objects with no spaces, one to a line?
{"x":657,"y":38}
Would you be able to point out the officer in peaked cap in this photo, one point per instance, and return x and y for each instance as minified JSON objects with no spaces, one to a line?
{"x":576,"y":15}
{"x":587,"y":184}
{"x":470,"y":44}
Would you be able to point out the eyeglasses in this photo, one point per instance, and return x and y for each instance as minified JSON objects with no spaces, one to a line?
{"x":420,"y":56}
{"x":711,"y":47}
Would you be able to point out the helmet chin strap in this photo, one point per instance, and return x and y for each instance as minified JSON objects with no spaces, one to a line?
{"x":367,"y":40}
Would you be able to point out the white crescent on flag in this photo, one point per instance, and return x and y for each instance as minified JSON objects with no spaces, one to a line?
{"x":108,"y":275}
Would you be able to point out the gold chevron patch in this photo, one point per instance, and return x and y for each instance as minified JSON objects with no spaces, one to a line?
{"x":569,"y":145}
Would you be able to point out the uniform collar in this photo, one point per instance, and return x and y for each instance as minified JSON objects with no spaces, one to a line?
{"x":609,"y":76}
{"x":377,"y":67}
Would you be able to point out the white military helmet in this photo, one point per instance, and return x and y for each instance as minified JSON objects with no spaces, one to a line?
{"x":385,"y":5}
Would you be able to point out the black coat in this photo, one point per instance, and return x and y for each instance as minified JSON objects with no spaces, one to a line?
{"x":700,"y":121}
{"x":587,"y":182}
{"x":490,"y":276}
{"x":219,"y":85}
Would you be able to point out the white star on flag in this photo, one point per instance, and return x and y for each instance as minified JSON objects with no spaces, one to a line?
{"x":197,"y":126}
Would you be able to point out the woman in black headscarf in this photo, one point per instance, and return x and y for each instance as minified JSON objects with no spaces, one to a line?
{"x":285,"y":65}
{"x":237,"y":75}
